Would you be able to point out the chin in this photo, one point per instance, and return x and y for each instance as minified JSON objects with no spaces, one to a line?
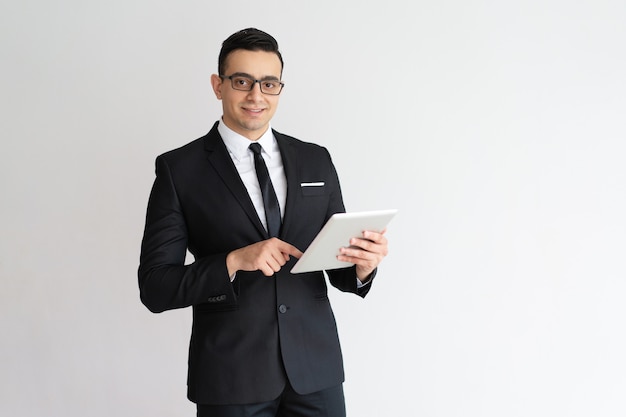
{"x":253,"y":127}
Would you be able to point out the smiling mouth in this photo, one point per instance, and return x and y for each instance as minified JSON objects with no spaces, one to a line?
{"x":253,"y":111}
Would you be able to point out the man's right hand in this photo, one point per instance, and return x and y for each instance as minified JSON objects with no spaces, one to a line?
{"x":267,"y":256}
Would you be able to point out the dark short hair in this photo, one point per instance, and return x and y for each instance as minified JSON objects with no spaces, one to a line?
{"x":250,"y":39}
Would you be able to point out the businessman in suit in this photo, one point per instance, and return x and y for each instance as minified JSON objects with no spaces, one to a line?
{"x":264,"y":341}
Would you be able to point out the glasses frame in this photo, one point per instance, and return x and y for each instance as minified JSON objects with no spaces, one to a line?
{"x":232,"y":83}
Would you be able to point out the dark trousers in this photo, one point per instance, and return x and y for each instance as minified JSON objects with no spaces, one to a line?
{"x":326,"y":403}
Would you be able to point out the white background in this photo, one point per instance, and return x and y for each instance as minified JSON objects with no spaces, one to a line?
{"x":497,"y":129}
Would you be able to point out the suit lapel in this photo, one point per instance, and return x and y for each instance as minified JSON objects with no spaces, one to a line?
{"x":290,"y":163}
{"x":218,"y":157}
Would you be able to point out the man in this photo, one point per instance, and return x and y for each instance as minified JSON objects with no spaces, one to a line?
{"x":264,"y":341}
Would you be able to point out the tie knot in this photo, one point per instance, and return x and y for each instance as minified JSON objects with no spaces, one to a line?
{"x":256,"y":148}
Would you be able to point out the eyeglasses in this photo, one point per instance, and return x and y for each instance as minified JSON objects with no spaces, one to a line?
{"x":270,"y":87}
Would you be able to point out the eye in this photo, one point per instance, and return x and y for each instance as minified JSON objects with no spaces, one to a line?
{"x":242,"y":81}
{"x":270,"y":85}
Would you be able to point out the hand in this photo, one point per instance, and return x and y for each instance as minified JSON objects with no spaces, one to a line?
{"x":366,"y":253}
{"x":267,"y":256}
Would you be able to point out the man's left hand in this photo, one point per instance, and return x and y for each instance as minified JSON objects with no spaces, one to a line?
{"x":365,"y":252}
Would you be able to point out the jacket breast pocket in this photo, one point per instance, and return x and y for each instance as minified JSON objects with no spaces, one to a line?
{"x":313,"y":188}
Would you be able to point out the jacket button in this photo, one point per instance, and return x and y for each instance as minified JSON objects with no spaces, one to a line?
{"x":282,"y":308}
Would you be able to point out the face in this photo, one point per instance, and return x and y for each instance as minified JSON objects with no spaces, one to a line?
{"x":248,"y":112}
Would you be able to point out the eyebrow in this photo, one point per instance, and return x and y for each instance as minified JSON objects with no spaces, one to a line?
{"x":244,"y":74}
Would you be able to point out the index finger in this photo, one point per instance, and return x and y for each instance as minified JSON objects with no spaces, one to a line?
{"x":288,"y":249}
{"x":374,"y":236}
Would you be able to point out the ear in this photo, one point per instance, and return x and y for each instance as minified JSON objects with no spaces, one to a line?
{"x":216,"y":83}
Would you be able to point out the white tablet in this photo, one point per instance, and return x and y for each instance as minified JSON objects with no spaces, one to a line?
{"x":336,"y":233}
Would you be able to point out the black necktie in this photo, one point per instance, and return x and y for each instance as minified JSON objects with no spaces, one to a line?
{"x":270,"y":201}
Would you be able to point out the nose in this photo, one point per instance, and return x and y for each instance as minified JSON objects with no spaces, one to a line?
{"x":255,"y":93}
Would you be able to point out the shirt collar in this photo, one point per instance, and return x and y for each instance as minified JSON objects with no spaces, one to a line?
{"x":237,"y":144}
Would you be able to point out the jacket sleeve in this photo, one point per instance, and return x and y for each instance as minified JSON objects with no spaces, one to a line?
{"x":165,"y":282}
{"x":345,"y":280}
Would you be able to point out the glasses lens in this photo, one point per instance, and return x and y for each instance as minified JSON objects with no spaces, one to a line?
{"x":271,"y":86}
{"x":242,"y":83}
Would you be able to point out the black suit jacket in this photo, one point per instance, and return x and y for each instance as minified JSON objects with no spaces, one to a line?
{"x":248,"y":334}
